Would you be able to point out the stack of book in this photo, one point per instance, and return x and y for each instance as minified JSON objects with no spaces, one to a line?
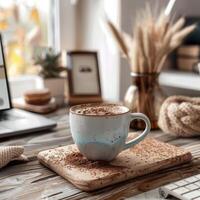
{"x":188,"y":56}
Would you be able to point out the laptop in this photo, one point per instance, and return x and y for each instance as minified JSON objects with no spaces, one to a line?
{"x":15,"y":121}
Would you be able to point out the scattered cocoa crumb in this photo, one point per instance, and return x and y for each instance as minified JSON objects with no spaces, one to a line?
{"x":76,"y":159}
{"x":149,"y":148}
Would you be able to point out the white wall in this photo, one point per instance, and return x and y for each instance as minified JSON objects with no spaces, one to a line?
{"x":65,"y":24}
{"x":187,"y":7}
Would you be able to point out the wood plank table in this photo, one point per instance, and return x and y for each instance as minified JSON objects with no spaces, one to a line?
{"x":31,"y":180}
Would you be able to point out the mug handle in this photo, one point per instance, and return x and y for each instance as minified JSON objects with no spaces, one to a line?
{"x":134,"y":116}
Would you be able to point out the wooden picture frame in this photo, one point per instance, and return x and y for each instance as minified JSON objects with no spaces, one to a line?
{"x":83,"y":76}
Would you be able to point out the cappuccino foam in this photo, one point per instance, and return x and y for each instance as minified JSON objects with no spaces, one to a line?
{"x":99,"y":109}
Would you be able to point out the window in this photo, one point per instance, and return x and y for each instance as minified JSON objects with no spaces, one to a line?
{"x":25,"y":25}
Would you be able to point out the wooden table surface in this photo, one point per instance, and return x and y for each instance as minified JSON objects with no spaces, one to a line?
{"x":31,"y":180}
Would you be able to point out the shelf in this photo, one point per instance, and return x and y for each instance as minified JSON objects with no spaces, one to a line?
{"x":182,"y":80}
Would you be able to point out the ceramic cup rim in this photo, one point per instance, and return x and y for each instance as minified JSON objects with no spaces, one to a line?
{"x":72,"y":109}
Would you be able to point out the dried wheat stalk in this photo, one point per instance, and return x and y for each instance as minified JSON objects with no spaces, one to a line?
{"x":155,"y":36}
{"x":119,"y":38}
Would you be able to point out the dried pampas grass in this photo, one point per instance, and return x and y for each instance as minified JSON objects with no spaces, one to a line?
{"x":155,"y":36}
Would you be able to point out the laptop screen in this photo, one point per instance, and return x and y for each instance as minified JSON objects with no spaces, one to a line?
{"x":4,"y":90}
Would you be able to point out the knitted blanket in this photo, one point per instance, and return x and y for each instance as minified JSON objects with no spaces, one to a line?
{"x":180,"y":115}
{"x":10,"y":153}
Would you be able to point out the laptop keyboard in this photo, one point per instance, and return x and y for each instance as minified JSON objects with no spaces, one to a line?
{"x":186,"y":189}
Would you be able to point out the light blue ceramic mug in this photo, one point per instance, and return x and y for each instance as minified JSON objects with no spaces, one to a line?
{"x":102,"y":136}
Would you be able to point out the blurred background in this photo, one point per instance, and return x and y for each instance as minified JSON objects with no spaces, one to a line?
{"x":65,"y":25}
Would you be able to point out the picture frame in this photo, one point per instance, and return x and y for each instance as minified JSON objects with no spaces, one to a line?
{"x":83,"y":75}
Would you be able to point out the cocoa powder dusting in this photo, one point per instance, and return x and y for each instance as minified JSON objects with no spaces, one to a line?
{"x":99,"y":109}
{"x":96,"y":111}
{"x":71,"y":158}
{"x":148,"y":148}
{"x":76,"y":159}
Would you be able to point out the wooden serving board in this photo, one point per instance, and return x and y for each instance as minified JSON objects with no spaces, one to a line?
{"x":41,"y":109}
{"x":148,"y":156}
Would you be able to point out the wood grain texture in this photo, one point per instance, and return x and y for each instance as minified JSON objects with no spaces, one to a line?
{"x":33,"y":181}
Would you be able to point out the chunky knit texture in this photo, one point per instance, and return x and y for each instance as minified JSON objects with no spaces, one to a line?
{"x":180,"y":115}
{"x":9,"y":153}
